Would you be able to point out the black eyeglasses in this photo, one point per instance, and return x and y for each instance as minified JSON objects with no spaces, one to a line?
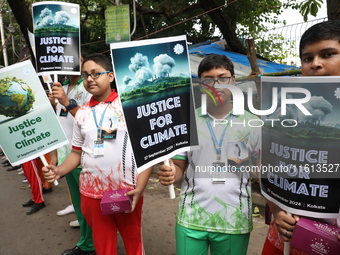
{"x":84,"y":76}
{"x":212,"y":81}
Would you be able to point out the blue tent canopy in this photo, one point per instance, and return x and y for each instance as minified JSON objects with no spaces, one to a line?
{"x":241,"y":63}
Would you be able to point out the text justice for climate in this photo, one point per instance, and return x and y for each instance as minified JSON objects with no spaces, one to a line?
{"x":27,"y":132}
{"x":161,"y":121}
{"x":53,"y":49}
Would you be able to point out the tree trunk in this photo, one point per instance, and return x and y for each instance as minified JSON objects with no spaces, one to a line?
{"x":24,"y":19}
{"x":251,"y":55}
{"x":333,"y":9}
{"x":221,"y":22}
{"x":255,"y":71}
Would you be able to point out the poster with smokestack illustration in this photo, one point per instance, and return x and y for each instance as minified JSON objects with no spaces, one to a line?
{"x":57,"y":37}
{"x":301,"y":144}
{"x":154,"y":83}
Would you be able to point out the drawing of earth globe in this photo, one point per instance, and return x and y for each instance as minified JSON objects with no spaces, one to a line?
{"x":16,"y":97}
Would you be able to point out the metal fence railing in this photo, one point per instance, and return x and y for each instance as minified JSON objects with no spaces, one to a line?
{"x":288,"y":37}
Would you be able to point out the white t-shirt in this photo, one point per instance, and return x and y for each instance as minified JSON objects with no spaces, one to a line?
{"x":226,"y":207}
{"x":116,"y":169}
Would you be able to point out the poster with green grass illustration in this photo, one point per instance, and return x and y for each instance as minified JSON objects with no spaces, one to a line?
{"x":154,"y":84}
{"x":301,"y":144}
{"x":56,"y":28}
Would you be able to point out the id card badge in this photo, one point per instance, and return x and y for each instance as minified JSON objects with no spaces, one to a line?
{"x":218,"y":172}
{"x":111,"y":134}
{"x":63,"y":112}
{"x":109,"y":128}
{"x":98,"y":148}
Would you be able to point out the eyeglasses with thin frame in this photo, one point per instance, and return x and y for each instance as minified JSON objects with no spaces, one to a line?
{"x":212,"y":81}
{"x":94,"y":76}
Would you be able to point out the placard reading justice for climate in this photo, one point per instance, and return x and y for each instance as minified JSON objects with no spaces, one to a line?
{"x":154,"y":85}
{"x":28,"y":125}
{"x":300,"y":150}
{"x":57,"y":37}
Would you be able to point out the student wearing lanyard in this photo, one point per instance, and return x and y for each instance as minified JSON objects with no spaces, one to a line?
{"x":101,"y":145}
{"x":215,"y":201}
{"x":71,"y":95}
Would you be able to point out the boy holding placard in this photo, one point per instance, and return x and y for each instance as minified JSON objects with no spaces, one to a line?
{"x":107,"y":161}
{"x":320,"y":56}
{"x":215,"y":208}
{"x":71,"y":95}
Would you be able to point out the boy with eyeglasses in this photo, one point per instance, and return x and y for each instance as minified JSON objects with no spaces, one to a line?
{"x":107,"y":162}
{"x":71,"y":95}
{"x":215,"y":208}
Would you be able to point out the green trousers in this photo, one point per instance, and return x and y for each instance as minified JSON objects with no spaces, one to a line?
{"x":191,"y":241}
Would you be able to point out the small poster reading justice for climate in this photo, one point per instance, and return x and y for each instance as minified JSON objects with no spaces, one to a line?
{"x":57,"y":37}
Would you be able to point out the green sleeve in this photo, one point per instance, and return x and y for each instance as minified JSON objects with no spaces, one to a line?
{"x":180,"y":157}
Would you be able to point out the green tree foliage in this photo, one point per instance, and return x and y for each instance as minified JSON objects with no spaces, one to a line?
{"x":16,"y":38}
{"x":233,"y":19}
{"x":275,"y":47}
{"x":198,"y":19}
{"x":309,"y":7}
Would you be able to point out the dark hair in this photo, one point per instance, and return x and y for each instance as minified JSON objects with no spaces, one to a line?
{"x":83,"y":53}
{"x":100,"y":59}
{"x":214,"y":61}
{"x":104,"y":61}
{"x":327,"y":30}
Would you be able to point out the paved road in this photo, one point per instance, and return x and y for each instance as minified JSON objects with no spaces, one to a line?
{"x":46,"y":233}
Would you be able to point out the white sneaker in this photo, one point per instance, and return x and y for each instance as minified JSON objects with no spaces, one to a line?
{"x":24,"y":180}
{"x":67,"y":210}
{"x":74,"y":224}
{"x":21,"y":172}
